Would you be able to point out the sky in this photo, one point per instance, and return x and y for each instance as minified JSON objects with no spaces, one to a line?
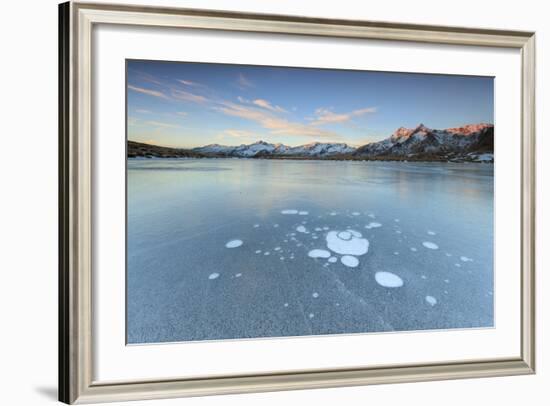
{"x":182,"y":104}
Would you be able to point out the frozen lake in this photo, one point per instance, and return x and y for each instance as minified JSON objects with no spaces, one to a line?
{"x":237,"y":248}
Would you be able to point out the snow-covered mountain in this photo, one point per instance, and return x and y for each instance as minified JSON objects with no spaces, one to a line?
{"x":468,"y":142}
{"x":472,"y":142}
{"x":264,"y":149}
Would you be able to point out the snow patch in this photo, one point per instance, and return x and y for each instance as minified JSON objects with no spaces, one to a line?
{"x":318,"y":253}
{"x":430,"y":245}
{"x":234,"y":244}
{"x":388,"y":279}
{"x":349,"y":261}
{"x":347,"y":242}
{"x":431,"y":300}
{"x":289,"y":211}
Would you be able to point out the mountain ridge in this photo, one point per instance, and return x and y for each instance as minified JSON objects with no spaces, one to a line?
{"x":471,"y":142}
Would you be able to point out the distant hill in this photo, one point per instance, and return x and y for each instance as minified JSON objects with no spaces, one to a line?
{"x":473,"y":142}
{"x":142,"y":150}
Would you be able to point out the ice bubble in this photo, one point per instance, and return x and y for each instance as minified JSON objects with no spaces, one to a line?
{"x":301,"y":229}
{"x":333,"y":213}
{"x":431,"y":232}
{"x":398,"y":231}
{"x":347,"y":242}
{"x":282,"y":258}
{"x":431,"y":300}
{"x":318,"y":229}
{"x":423,"y":276}
{"x":446,"y":281}
{"x":238,"y":275}
{"x":371,"y":215}
{"x":256,"y":225}
{"x":388,"y":280}
{"x":311,"y":315}
{"x":373,"y":225}
{"x":258,"y":251}
{"x":448,"y":255}
{"x":234,"y":244}
{"x":396,"y":253}
{"x":430,"y":245}
{"x":213,"y":276}
{"x":332,"y":260}
{"x":325,"y":228}
{"x":315,"y":295}
{"x":318,"y":253}
{"x":286,"y":304}
{"x":413,"y":249}
{"x":465,"y":259}
{"x":349,"y":261}
{"x":289,"y":211}
{"x":458,"y":265}
{"x":355,"y":213}
{"x":277,"y":249}
{"x":303,"y":213}
{"x":275,"y":225}
{"x":266,"y":253}
{"x":396,"y":220}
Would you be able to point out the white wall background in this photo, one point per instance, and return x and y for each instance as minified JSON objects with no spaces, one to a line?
{"x":28,"y":203}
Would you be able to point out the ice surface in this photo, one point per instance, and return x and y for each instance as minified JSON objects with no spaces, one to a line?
{"x":430,"y":245}
{"x":347,"y":242}
{"x":318,"y":253}
{"x":234,"y":244}
{"x":388,"y":279}
{"x":349,"y":261}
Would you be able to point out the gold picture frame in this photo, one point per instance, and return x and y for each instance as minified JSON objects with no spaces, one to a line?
{"x":76,"y":21}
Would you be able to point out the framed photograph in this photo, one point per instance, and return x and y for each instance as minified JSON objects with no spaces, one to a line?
{"x":263,"y":202}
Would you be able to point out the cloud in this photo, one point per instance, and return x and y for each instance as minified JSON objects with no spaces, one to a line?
{"x":267,"y":105}
{"x":188,"y":82}
{"x":183,"y":95}
{"x":243,"y":82}
{"x":275,"y":124}
{"x":161,"y":124}
{"x":149,"y":92}
{"x":326,"y":116}
{"x":239,"y":133}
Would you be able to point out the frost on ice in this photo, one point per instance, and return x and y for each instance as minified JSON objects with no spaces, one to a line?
{"x":318,"y":253}
{"x":234,"y":244}
{"x":388,"y":280}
